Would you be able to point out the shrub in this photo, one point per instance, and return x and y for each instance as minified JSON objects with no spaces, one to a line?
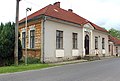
{"x":32,"y":60}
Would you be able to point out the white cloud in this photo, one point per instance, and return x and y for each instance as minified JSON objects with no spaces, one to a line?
{"x":7,"y":10}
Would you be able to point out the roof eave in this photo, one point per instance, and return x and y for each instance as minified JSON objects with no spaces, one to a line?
{"x":32,"y":19}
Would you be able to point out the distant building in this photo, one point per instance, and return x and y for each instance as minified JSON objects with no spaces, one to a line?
{"x":114,"y":46}
{"x":55,"y":34}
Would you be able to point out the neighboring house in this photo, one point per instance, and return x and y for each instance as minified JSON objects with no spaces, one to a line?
{"x":55,"y":34}
{"x":114,"y":46}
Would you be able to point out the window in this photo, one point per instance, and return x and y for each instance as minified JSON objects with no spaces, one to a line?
{"x":23,"y":39}
{"x":32,"y":38}
{"x":59,"y":39}
{"x":109,"y":48}
{"x":74,"y":40}
{"x":116,"y":50}
{"x":103,"y":43}
{"x":96,"y":42}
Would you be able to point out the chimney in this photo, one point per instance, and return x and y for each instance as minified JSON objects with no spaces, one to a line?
{"x":70,"y":10}
{"x":57,"y":4}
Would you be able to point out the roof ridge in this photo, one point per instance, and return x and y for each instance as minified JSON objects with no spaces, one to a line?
{"x":97,"y":26}
{"x":48,"y":8}
{"x":74,"y":13}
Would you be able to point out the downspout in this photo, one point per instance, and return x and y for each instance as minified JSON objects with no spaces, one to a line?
{"x":43,"y":40}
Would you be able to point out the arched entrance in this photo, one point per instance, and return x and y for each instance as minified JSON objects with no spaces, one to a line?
{"x":87,"y":45}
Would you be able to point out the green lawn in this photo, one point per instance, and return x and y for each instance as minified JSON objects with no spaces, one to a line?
{"x":11,"y":69}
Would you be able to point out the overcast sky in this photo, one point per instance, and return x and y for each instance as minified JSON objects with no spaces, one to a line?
{"x":105,"y":13}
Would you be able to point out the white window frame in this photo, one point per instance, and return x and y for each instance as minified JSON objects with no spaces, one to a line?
{"x":23,"y":30}
{"x":31,"y":28}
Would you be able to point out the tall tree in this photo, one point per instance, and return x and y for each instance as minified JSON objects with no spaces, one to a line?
{"x":7,"y":40}
{"x":114,"y":32}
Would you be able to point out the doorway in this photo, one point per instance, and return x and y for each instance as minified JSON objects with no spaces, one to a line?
{"x":86,"y":45}
{"x":112,"y":50}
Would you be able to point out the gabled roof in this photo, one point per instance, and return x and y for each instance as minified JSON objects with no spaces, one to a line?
{"x":114,"y":39}
{"x":35,"y":14}
{"x":59,"y":13}
{"x":56,"y":12}
{"x":98,"y":28}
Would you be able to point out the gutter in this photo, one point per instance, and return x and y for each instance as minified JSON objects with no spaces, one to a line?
{"x":31,"y":19}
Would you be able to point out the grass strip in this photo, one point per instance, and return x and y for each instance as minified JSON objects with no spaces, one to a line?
{"x":19,"y":68}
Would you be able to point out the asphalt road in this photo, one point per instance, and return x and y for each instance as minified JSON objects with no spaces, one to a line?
{"x":105,"y":70}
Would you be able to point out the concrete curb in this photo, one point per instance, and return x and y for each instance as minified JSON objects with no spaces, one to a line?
{"x":70,"y":62}
{"x":80,"y":61}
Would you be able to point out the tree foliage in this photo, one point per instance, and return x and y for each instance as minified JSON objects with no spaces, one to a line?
{"x":7,"y":41}
{"x":114,"y":32}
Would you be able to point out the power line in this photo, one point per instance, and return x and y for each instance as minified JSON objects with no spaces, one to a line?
{"x":32,"y":3}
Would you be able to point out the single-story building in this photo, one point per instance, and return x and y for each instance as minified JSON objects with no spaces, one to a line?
{"x":114,"y":46}
{"x":55,"y":34}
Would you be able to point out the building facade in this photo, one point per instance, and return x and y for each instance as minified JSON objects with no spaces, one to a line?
{"x":55,"y":34}
{"x":114,"y":46}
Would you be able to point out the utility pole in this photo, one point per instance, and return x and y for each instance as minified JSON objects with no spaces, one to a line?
{"x":16,"y":34}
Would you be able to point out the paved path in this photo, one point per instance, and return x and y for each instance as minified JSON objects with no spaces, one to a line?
{"x":105,"y":70}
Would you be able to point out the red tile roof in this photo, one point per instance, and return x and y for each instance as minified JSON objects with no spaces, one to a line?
{"x":35,"y":14}
{"x":98,"y":28}
{"x":115,"y":40}
{"x":57,"y":12}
